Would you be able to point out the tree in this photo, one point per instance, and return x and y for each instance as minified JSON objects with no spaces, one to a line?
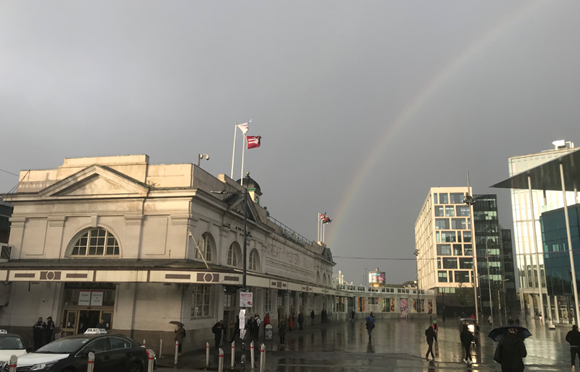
{"x":464,"y":295}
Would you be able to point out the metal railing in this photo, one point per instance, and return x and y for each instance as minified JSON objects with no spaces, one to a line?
{"x":289,"y":233}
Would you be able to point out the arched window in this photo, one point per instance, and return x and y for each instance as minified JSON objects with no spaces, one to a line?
{"x":254,"y":261}
{"x":234,"y":254}
{"x":206,"y":246}
{"x":96,"y":242}
{"x":317,"y":278}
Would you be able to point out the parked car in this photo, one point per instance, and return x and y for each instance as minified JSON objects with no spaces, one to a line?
{"x":10,"y":344}
{"x":113,"y":353}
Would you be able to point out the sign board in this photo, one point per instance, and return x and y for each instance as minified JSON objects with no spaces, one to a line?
{"x":377,"y":278}
{"x":246,"y":300}
{"x":268,"y":331}
{"x":97,"y":298}
{"x":84,"y":298}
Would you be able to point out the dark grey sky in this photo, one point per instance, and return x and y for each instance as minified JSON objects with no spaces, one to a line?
{"x":361,"y":105}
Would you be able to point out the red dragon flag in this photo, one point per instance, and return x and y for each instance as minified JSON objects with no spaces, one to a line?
{"x":321,"y":216}
{"x":253,"y":141}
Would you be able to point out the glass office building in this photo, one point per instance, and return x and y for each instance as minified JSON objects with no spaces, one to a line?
{"x":557,"y":257}
{"x":494,"y":260}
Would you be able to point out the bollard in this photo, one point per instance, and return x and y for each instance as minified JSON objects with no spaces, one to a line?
{"x":176,"y":352}
{"x":207,"y":354}
{"x":151,"y":362}
{"x":160,"y":348}
{"x":13,"y":363}
{"x":91,"y":362}
{"x":252,"y":361}
{"x":221,"y":361}
{"x":144,"y":343}
{"x":263,"y":358}
{"x":233,"y":353}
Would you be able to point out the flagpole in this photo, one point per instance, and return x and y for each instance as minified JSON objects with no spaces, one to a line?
{"x":318,"y":236}
{"x":234,"y":150}
{"x":243,"y":152}
{"x":323,"y":231}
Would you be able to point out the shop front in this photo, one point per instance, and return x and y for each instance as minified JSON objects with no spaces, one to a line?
{"x":85,"y":304}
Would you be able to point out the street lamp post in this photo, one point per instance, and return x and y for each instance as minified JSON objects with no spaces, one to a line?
{"x":504,"y":298}
{"x":419,"y":307}
{"x":364,"y":279}
{"x":488,"y":279}
{"x":468,"y":200}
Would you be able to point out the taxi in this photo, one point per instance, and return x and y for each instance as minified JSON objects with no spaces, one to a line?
{"x":10,"y":344}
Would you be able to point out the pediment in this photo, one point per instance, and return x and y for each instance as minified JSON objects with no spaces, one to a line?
{"x":95,"y":181}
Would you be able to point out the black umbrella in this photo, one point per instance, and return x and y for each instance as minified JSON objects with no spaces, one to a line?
{"x":498,"y":332}
{"x":176,"y":323}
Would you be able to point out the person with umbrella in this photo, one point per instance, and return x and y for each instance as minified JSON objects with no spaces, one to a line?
{"x":370,"y":324}
{"x":179,"y":335}
{"x":573,"y":338}
{"x":511,"y":348}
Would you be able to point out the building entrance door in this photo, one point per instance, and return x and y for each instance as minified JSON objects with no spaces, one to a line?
{"x":77,"y":321}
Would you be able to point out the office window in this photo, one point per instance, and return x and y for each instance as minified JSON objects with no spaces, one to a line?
{"x":466,"y":263}
{"x":439,"y":211}
{"x":444,"y":249}
{"x":442,"y":276}
{"x":449,"y":211}
{"x":457,"y":251}
{"x":450,"y":276}
{"x":442,"y":223}
{"x":456,"y":198}
{"x":462,"y":211}
{"x":468,"y":250}
{"x":443,"y":198}
{"x":438,"y":236}
{"x":467,"y":236}
{"x":448,"y":236}
{"x":438,"y":262}
{"x":458,"y":223}
{"x":450,"y":263}
{"x":462,"y":276}
{"x":435,"y":198}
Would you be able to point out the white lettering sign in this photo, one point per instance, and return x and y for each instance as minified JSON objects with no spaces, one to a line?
{"x":84,"y":298}
{"x":97,"y":298}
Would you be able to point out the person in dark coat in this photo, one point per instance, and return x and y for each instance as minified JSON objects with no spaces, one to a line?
{"x":237,"y":329}
{"x":282,"y":333}
{"x":352,"y":316}
{"x":301,"y":320}
{"x":431,"y":336}
{"x":312,"y":316}
{"x":179,"y":337}
{"x":218,"y":330}
{"x":512,"y":350}
{"x":466,"y":338}
{"x":573,"y":338}
{"x":48,"y":331}
{"x":38,"y":333}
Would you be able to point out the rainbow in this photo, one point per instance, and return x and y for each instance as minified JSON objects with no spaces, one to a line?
{"x":360,"y":178}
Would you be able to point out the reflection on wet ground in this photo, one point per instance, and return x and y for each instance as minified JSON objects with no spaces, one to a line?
{"x":399,"y":345}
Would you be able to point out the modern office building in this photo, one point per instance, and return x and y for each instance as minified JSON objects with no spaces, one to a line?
{"x":557,"y":259}
{"x":527,"y":259}
{"x":494,"y":260}
{"x":444,"y":249}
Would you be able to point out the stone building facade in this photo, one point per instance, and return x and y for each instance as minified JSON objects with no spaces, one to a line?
{"x":140,"y":245}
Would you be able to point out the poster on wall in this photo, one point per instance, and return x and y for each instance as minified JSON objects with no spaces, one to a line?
{"x":414,"y":306}
{"x":97,"y":298}
{"x":84,"y":298}
{"x":404,"y":310}
{"x":392,"y":305}
{"x":430,"y":304}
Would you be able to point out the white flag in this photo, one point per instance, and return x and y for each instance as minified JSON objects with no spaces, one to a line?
{"x":245,"y":127}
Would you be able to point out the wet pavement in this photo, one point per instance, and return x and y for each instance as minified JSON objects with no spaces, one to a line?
{"x":397,"y":345}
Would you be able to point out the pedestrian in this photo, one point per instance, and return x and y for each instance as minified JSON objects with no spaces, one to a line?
{"x":282,"y":333}
{"x":290,"y":323}
{"x":573,"y":338}
{"x":102,"y":324}
{"x":431,"y":336}
{"x":237,"y":328}
{"x":179,"y":337}
{"x":370,"y":324}
{"x":312,"y":316}
{"x":38,"y":333}
{"x":512,"y":350}
{"x":435,"y":326}
{"x":301,"y":320}
{"x":250,"y":326}
{"x":466,"y":338}
{"x":266,"y":323}
{"x":352,"y":316}
{"x":490,"y":320}
{"x":258,"y":322}
{"x":518,"y":321}
{"x":49,"y":330}
{"x":218,"y":330}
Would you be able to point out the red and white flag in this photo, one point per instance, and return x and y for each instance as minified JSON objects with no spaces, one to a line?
{"x":321,"y":216}
{"x":253,"y":141}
